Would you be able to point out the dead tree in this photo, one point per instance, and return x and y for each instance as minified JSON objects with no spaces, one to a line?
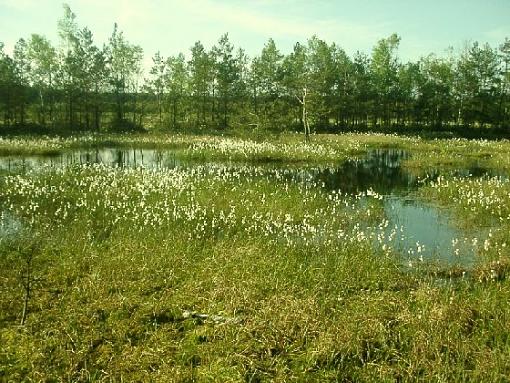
{"x":28,"y":278}
{"x":302,"y":101}
{"x":27,"y":283}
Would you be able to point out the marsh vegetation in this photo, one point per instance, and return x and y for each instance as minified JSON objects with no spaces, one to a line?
{"x":228,"y":259}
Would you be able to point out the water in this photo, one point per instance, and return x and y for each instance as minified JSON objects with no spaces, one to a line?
{"x":425,"y":233}
{"x":419,"y":231}
{"x":381,"y":171}
{"x":149,"y":158}
{"x":378,"y":170}
{"x":9,"y":225}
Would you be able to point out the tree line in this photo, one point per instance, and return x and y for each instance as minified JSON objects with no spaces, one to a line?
{"x":80,"y":86}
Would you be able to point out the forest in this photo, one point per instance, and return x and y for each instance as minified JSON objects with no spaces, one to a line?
{"x":79,"y":86}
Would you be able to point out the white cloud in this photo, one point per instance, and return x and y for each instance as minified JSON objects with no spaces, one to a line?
{"x":498,"y":34}
{"x":252,"y":19}
{"x":19,"y":5}
{"x":172,"y":26}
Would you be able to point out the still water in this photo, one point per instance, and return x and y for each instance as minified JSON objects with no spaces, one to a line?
{"x":418,"y":230}
{"x":113,"y":157}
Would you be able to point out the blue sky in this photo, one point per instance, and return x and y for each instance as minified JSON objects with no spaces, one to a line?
{"x":172,"y":26}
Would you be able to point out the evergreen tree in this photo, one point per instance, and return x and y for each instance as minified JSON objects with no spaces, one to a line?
{"x":68,"y":66}
{"x":43,"y":59}
{"x":504,"y":98}
{"x":477,"y":84}
{"x":176,"y":84}
{"x":322,"y":78}
{"x":435,"y":103}
{"x":227,"y":76}
{"x":267,"y":76}
{"x":124,"y":67}
{"x":22,"y":76}
{"x":362,"y":88}
{"x":156,"y":82}
{"x":384,"y":68}
{"x":8,"y":81}
{"x":296,"y":82}
{"x":341,"y":100}
{"x":201,"y":70}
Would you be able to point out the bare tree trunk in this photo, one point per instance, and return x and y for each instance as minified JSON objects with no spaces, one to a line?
{"x":501,"y":115}
{"x":302,"y":101}
{"x":41,"y":107}
{"x":160,"y":108}
{"x":135,"y":105}
{"x":174,"y":112}
{"x":225,"y":112}
{"x":25,"y":303}
{"x":255,"y":100}
{"x":97,"y":122}
{"x":26,"y":281}
{"x":71,"y":111}
{"x":213,"y":105}
{"x":51,"y":98}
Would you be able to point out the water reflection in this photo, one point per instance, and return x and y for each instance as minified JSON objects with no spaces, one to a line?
{"x":379,"y":170}
{"x":149,"y":158}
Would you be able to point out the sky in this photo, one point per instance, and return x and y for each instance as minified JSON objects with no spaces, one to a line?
{"x":173,"y":26}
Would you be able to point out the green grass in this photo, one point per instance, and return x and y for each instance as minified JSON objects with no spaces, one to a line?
{"x":458,"y":153}
{"x":426,"y":154}
{"x":44,"y":146}
{"x":208,"y":274}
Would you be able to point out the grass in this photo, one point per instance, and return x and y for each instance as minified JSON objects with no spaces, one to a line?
{"x":426,"y":154}
{"x":480,"y":203}
{"x":459,"y":153}
{"x":30,"y":146}
{"x":240,"y":273}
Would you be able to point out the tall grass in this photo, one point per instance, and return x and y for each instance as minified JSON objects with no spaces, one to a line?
{"x":426,"y":154}
{"x":239,"y":274}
